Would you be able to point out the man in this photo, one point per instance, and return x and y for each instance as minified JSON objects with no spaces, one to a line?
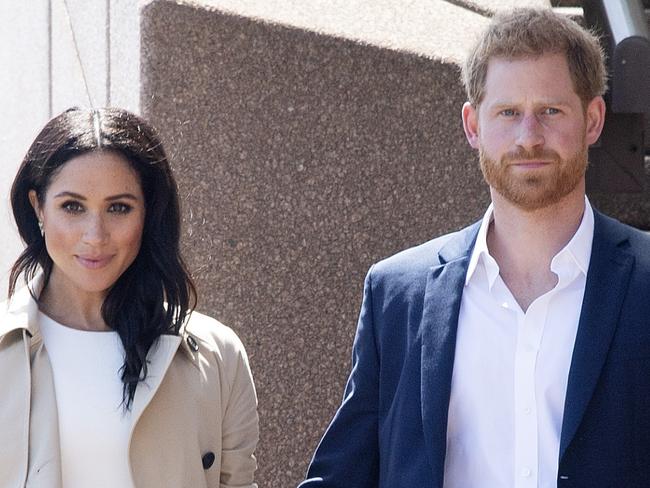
{"x":516,"y":352}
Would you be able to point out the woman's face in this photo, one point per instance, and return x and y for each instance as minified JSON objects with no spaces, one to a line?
{"x":93,"y":215}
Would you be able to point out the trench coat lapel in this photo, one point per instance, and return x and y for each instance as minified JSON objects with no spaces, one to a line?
{"x":15,"y":387}
{"x":158,"y":360}
{"x":28,"y":407}
{"x":607,"y":283}
{"x":441,"y":307}
{"x":44,"y":440}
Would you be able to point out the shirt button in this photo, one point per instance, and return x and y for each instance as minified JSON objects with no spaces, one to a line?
{"x":526,"y":472}
{"x":527,"y":410}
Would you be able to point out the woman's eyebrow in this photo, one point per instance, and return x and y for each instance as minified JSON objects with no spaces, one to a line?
{"x":69,"y":194}
{"x":119,"y":196}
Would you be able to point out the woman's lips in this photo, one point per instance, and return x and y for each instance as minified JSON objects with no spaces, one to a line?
{"x":93,"y":262}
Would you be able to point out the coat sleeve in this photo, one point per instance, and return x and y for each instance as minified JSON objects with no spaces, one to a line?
{"x":347,"y":456}
{"x":240,"y":424}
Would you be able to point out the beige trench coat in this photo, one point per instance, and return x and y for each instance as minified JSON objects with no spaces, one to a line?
{"x":197,"y":399}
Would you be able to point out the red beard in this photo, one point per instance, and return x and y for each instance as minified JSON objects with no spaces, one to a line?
{"x":539,"y":188}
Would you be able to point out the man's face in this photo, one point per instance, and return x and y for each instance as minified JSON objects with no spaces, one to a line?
{"x":532,"y":131}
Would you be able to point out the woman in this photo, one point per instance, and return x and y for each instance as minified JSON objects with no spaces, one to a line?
{"x":109,"y":379}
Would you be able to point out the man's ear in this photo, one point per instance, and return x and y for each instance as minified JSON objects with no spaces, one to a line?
{"x":470,"y":124}
{"x":33,"y":199}
{"x":595,"y":119}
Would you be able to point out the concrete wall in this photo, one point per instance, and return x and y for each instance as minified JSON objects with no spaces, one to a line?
{"x":302,"y":158}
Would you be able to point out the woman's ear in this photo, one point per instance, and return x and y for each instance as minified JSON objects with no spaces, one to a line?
{"x":33,"y":199}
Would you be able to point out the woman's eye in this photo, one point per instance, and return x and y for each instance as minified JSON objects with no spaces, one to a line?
{"x":72,"y":207}
{"x":121,"y":208}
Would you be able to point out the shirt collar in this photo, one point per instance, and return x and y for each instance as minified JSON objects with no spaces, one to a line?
{"x":21,"y":310}
{"x":576,"y":251}
{"x":481,"y":252}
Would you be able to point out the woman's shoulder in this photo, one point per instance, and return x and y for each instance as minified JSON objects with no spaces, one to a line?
{"x":218,"y":345}
{"x":212,"y":334}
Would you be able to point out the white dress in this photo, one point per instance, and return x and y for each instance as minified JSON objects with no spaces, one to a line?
{"x":94,"y":428}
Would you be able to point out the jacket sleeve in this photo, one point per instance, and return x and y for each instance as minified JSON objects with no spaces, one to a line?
{"x":240,"y":425}
{"x":347,"y":456}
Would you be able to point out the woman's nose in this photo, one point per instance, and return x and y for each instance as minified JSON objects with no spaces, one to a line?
{"x":95,"y":231}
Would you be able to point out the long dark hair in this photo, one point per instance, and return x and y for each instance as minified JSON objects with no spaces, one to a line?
{"x":155,"y":294}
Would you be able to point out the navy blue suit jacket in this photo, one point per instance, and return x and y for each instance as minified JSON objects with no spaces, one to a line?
{"x":390,"y":430}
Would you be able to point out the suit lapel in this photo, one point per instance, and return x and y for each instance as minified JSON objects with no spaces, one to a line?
{"x":439,"y":325}
{"x":607,"y":283}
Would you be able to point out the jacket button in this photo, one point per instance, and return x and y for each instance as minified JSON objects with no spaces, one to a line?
{"x":191,"y":341}
{"x":208,"y":460}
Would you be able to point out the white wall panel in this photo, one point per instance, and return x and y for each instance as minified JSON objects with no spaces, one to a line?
{"x":89,"y":20}
{"x":24,"y":88}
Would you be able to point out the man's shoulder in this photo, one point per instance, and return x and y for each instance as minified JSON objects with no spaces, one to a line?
{"x":418,"y":260}
{"x":421,"y":256}
{"x":634,"y":241}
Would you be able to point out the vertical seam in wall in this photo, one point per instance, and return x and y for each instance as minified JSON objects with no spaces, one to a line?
{"x":50,"y":76}
{"x":108,"y":52}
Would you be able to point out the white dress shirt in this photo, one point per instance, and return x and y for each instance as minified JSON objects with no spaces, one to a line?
{"x":511,"y":369}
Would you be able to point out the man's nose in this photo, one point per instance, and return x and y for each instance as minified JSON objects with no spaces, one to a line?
{"x":531,"y":132}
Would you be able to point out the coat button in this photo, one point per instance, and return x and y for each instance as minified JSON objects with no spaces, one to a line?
{"x":191,"y":341}
{"x":208,"y":460}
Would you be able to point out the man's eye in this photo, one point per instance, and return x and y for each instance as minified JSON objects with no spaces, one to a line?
{"x":121,"y":208}
{"x":551,"y":111}
{"x":508,"y":112}
{"x":72,"y":207}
